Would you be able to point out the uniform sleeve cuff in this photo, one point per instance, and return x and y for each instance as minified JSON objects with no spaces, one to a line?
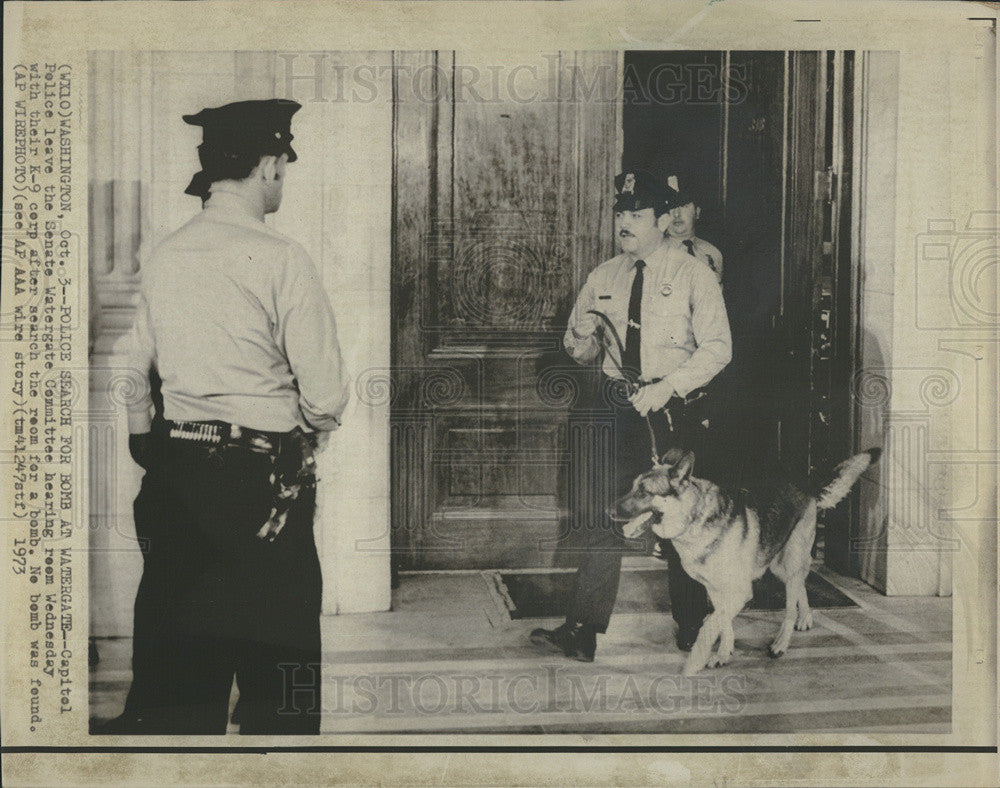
{"x":678,"y":385}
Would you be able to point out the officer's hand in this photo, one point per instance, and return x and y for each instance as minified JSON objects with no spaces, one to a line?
{"x":585,"y":327}
{"x":139,"y":446}
{"x":652,"y":397}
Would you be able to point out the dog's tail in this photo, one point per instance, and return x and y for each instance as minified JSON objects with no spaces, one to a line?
{"x":844,"y":477}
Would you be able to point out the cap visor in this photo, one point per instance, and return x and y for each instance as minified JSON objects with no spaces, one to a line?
{"x":630,"y":204}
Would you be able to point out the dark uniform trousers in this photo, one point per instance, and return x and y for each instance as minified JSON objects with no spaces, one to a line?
{"x":597,"y":578}
{"x":215,"y":601}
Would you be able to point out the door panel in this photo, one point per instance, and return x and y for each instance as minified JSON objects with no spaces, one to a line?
{"x":502,"y":210}
{"x":803,"y":248}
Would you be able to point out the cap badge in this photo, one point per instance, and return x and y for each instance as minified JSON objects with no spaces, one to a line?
{"x":629,"y":186}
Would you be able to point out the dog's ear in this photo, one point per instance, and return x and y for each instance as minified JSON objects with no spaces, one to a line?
{"x":681,"y":472}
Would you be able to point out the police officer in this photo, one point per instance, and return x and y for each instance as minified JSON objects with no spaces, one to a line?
{"x":684,"y":213}
{"x":234,"y":320}
{"x":668,"y":307}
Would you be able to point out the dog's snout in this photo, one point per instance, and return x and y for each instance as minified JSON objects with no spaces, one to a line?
{"x":628,"y":506}
{"x":616,"y":511}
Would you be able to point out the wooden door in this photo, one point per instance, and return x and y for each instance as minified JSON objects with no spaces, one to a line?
{"x":802,"y":254}
{"x":502,"y":193}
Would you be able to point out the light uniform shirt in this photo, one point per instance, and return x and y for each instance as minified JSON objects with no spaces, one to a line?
{"x":703,"y":250}
{"x":234,"y":317}
{"x":684,"y":328}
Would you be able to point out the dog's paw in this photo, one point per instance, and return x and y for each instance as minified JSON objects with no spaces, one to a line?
{"x":774,"y":650}
{"x":804,"y":622}
{"x":718,"y":660}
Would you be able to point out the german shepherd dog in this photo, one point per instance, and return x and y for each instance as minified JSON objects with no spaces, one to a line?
{"x":727,"y":540}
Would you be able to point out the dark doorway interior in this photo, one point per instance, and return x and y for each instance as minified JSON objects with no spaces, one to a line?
{"x":763,"y":139}
{"x":721,"y":130}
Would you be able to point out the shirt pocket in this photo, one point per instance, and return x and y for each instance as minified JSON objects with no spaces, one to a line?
{"x":614,"y":307}
{"x":669,"y":322}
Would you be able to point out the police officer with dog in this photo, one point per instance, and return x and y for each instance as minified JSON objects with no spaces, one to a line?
{"x":656,"y":313}
{"x":234,"y":321}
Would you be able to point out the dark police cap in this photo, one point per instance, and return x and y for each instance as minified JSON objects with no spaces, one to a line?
{"x":261,"y":128}
{"x":636,"y":190}
{"x":680,"y":193}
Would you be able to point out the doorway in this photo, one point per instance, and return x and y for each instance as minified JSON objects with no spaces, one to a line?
{"x":764,"y":141}
{"x":501,"y":209}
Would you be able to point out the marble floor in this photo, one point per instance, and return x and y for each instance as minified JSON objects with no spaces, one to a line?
{"x":448,"y":658}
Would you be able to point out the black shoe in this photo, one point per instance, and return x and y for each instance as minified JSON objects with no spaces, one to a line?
{"x":124,"y":724}
{"x":577,"y":642}
{"x":686,"y":636}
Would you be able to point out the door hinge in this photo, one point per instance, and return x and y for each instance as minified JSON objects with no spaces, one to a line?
{"x":823,"y":183}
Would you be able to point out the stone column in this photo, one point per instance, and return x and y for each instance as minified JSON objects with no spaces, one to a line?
{"x":927,"y":392}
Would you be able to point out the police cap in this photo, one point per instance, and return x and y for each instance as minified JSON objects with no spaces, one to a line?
{"x":679,"y":194}
{"x":636,"y":190}
{"x":262,"y":128}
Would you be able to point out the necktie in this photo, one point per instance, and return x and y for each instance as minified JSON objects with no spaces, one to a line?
{"x":690,"y":247}
{"x":630,"y":360}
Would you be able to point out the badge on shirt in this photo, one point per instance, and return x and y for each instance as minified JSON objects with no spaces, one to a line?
{"x":666,"y":289}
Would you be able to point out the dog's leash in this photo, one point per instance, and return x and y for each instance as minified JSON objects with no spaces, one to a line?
{"x":631,"y":380}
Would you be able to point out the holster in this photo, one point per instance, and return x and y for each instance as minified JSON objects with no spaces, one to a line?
{"x":294,"y":469}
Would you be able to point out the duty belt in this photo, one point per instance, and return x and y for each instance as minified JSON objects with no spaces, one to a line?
{"x":293,"y":462}
{"x":675,"y":402}
{"x":220,"y":433}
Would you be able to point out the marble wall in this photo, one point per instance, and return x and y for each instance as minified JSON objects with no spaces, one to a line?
{"x":926,"y":391}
